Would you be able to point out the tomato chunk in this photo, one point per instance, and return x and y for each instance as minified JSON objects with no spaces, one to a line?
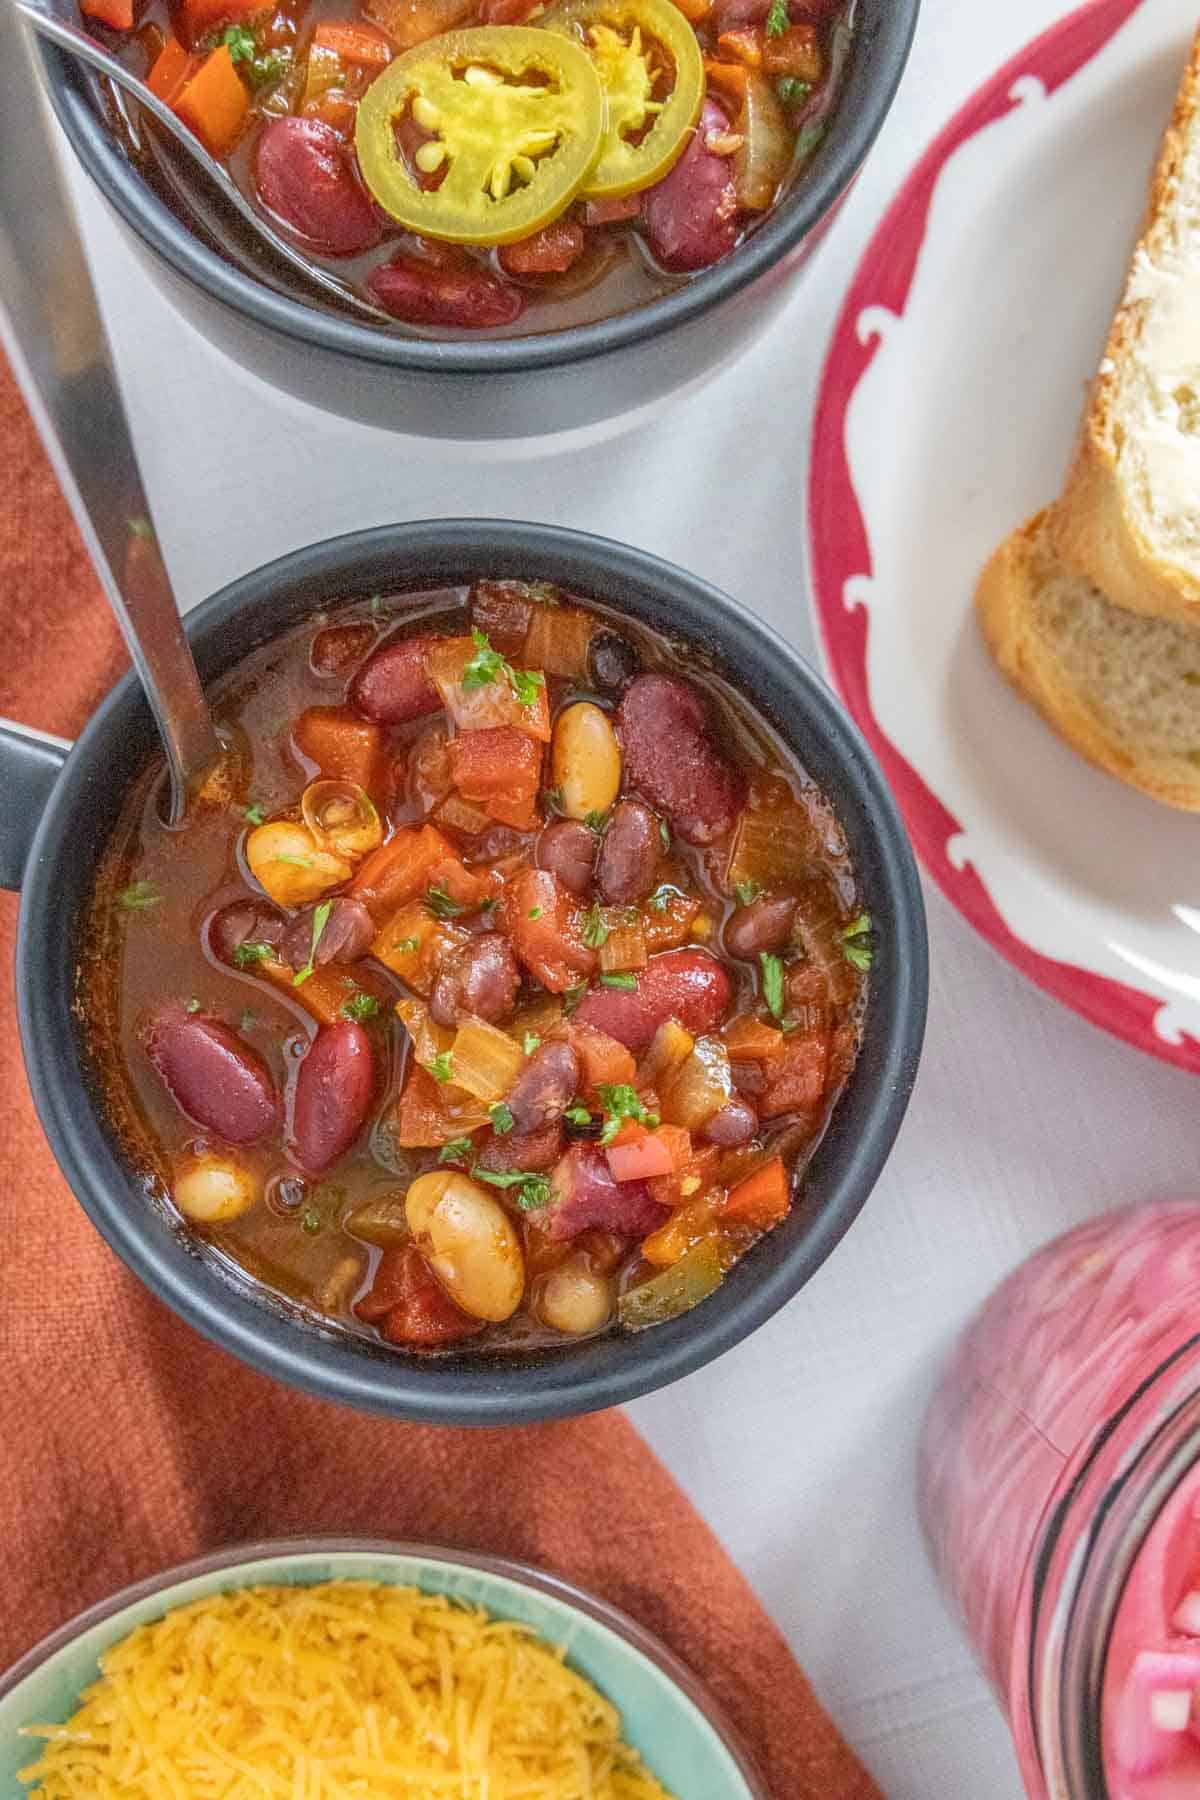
{"x":502,"y":769}
{"x":544,"y":924}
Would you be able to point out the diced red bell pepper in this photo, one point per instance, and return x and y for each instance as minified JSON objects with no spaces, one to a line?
{"x":411,"y":863}
{"x":360,"y":45}
{"x":410,"y":1305}
{"x":170,"y":70}
{"x":501,"y":768}
{"x":637,"y":1154}
{"x":196,"y":20}
{"x":795,"y":52}
{"x":544,"y":924}
{"x":762,"y":1198}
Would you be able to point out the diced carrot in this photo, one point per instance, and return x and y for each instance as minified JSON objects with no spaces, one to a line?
{"x":729,"y":77}
{"x":679,"y":1144}
{"x":603,"y":1062}
{"x":795,"y":52}
{"x":214,"y":103}
{"x":694,"y":10}
{"x":116,"y":14}
{"x":690,"y":1224}
{"x":413,"y":945}
{"x":750,"y":1040}
{"x":667,"y":929}
{"x":743,"y":44}
{"x":400,"y":870}
{"x":468,"y":888}
{"x":544,"y":923}
{"x":171,"y":69}
{"x":333,"y":108}
{"x":636,"y":1154}
{"x":695,"y":1178}
{"x":343,"y":746}
{"x":502,"y":769}
{"x":761,"y":1199}
{"x":360,"y":44}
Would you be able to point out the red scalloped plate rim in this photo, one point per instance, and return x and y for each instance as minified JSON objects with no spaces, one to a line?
{"x":839,"y":551}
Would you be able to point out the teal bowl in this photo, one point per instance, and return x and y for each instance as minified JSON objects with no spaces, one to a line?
{"x":666,"y":1713}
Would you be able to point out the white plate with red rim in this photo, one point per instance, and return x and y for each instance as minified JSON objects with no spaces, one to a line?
{"x":946,"y":415}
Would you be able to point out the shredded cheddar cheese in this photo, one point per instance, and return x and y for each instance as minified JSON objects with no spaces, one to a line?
{"x":335,"y":1692}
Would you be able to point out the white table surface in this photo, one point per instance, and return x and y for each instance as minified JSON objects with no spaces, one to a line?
{"x":798,"y":1447}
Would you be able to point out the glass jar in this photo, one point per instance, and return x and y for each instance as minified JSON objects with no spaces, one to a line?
{"x":1060,"y":1445}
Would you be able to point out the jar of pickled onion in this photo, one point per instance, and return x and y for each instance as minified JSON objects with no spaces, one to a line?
{"x":1060,"y":1496}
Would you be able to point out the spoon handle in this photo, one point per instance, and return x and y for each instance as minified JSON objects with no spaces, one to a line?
{"x":50,"y":326}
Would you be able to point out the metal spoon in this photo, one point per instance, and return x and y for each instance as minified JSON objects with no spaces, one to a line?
{"x":77,"y":43}
{"x":50,"y":326}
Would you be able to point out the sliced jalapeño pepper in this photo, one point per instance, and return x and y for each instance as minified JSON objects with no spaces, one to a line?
{"x":510,"y":118}
{"x":651,"y":68}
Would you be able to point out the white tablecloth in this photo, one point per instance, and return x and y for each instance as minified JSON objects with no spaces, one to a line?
{"x":798,"y":1447}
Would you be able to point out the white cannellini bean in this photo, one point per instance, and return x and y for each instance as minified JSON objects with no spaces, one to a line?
{"x":1171,"y":1709}
{"x":585,"y":760}
{"x":211,"y":1189}
{"x":469,"y":1242}
{"x":574,"y":1299}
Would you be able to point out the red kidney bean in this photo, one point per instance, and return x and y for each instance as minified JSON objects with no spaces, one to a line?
{"x":533,"y":1150}
{"x":244,"y":922}
{"x":692,"y":213}
{"x":335,"y":1084}
{"x":393,"y":685}
{"x":415,"y":290}
{"x":481,"y":979}
{"x":219,"y":1082}
{"x":568,"y":849}
{"x":612,"y":660}
{"x":336,"y":649}
{"x":545,"y":1087}
{"x":687,"y":985}
{"x":766,"y":924}
{"x":629,"y":854}
{"x":734,"y":1125}
{"x":672,"y":757}
{"x":348,"y":934}
{"x":586,"y":1196}
{"x":303,"y":175}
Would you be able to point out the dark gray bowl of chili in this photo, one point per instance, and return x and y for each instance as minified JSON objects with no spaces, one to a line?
{"x":731,"y":780}
{"x":588,"y":323}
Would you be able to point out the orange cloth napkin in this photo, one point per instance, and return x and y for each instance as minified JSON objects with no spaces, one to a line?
{"x":129,"y":1442}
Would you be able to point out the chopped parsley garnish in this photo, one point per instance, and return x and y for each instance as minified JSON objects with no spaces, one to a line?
{"x":360,"y":1007}
{"x":627,"y":982}
{"x":662,"y":897}
{"x":778,"y":20}
{"x":459,"y":1149}
{"x":772,"y":982}
{"x":597,"y":822}
{"x":578,"y":1115}
{"x":664,"y":834}
{"x":748,"y":892}
{"x":535,"y":912}
{"x":572,"y":996}
{"x":553,"y":798}
{"x":442,"y":1067}
{"x":139,"y":896}
{"x":620,"y":1103}
{"x":792,"y":91}
{"x":247,"y":1022}
{"x":297,"y":862}
{"x":502,"y":1119}
{"x":530,"y":1043}
{"x":311,"y":1222}
{"x":595,"y":931}
{"x":441,"y":905}
{"x":408,"y":946}
{"x":193,"y":1005}
{"x":533,"y":1191}
{"x":489,"y":905}
{"x":857,"y":946}
{"x":254,"y":815}
{"x":243,"y":49}
{"x":319,"y":922}
{"x":808,"y":140}
{"x":487,"y":665}
{"x":247,"y":954}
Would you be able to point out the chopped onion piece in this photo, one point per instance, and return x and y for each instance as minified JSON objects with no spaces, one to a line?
{"x":1186,"y":1617}
{"x":485,"y":1061}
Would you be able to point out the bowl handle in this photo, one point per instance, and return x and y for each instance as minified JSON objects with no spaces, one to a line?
{"x":29,"y":765}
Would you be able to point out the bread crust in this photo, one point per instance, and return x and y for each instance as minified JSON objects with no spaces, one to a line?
{"x":1003,"y":600}
{"x":1094,"y":532}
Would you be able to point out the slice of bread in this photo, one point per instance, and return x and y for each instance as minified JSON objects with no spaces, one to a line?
{"x":1129,"y":518}
{"x":1121,"y":688}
